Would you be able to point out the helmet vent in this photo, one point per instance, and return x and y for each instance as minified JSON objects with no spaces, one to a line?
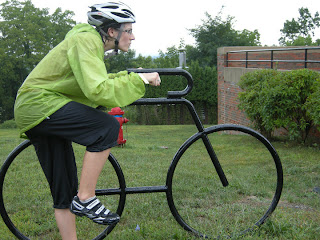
{"x":120,"y":15}
{"x":125,"y":10}
{"x":111,"y":7}
{"x":98,"y":17}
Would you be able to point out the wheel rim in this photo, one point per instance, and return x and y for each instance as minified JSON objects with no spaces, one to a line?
{"x":15,"y":227}
{"x":182,"y":219}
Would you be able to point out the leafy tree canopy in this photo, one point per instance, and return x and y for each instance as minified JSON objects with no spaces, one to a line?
{"x":218,"y":32}
{"x":299,"y":32}
{"x":27,"y":34}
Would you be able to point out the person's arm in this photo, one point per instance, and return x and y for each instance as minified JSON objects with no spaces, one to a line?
{"x":86,"y":60}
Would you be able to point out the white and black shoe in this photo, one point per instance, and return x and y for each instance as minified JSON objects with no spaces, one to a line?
{"x":94,"y":210}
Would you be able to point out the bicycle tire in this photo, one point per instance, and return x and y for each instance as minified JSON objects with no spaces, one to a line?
{"x":10,"y":223}
{"x":172,"y":198}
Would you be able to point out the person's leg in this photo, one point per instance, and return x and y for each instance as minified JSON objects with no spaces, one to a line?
{"x":66,"y":222}
{"x":86,"y":203}
{"x":88,"y":127}
{"x":58,"y":163}
{"x":93,"y":163}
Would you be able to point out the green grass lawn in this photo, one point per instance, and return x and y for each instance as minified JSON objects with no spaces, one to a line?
{"x":198,"y":194}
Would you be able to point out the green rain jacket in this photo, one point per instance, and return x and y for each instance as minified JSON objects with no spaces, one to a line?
{"x":73,"y":71}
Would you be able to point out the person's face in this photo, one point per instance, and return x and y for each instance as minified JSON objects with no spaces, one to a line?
{"x":126,"y":37}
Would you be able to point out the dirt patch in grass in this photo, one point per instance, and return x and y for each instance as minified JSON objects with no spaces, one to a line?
{"x":299,"y":206}
{"x":255,"y":201}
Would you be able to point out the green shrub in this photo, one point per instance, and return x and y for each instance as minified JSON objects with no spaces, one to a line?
{"x":251,"y":98}
{"x":313,"y":104}
{"x":273,"y":99}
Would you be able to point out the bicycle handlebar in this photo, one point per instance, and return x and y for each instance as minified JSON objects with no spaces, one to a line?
{"x":170,"y":71}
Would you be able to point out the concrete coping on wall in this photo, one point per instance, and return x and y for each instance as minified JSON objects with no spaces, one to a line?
{"x":233,"y":74}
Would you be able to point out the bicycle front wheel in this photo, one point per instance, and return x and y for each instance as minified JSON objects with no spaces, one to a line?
{"x":196,"y":196}
{"x":26,"y":202}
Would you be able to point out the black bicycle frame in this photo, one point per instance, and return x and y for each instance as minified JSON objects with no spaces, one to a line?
{"x":175,"y":97}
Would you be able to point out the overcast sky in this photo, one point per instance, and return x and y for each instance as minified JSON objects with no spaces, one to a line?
{"x":161,"y":24}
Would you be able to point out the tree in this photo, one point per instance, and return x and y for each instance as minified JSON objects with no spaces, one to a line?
{"x":27,"y":34}
{"x":205,"y":93}
{"x":120,"y":62}
{"x":300,"y":31}
{"x":215,"y":33}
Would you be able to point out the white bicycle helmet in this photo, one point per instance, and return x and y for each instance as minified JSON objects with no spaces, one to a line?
{"x":110,"y":12}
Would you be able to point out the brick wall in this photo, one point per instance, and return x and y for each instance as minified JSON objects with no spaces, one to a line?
{"x":228,"y":111}
{"x":228,"y":76}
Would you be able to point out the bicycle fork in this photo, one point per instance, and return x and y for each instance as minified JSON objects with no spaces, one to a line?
{"x":207,"y":142}
{"x":214,"y":160}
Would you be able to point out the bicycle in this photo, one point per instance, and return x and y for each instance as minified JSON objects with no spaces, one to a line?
{"x":205,"y":187}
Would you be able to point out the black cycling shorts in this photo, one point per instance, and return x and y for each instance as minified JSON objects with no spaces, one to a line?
{"x":53,"y":139}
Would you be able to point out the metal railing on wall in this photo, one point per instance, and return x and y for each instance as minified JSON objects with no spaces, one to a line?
{"x":272,"y":60}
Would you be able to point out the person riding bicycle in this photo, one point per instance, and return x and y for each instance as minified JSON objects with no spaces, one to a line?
{"x":56,"y":105}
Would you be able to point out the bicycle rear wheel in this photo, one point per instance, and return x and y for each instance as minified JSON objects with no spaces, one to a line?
{"x":26,"y":202}
{"x":196,"y":197}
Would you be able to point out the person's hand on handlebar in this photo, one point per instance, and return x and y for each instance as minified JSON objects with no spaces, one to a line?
{"x":152,"y":78}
